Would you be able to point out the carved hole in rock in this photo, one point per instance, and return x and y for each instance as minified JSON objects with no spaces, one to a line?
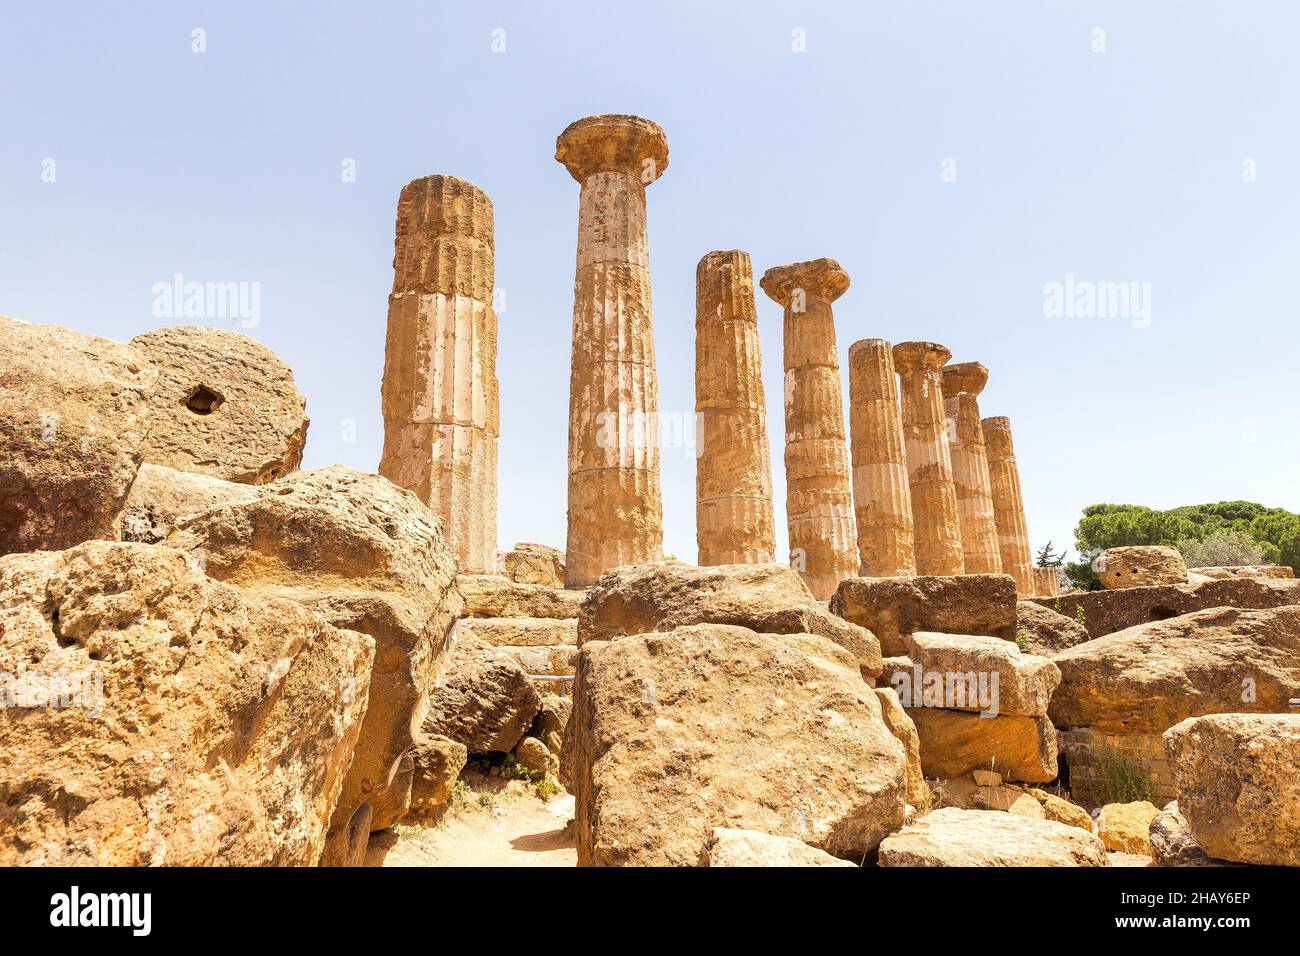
{"x":1161,"y":614}
{"x":204,"y":400}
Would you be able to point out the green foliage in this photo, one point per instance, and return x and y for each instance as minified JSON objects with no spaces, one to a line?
{"x":546,"y":788}
{"x":512,"y":769}
{"x":1122,"y":779}
{"x":1022,"y":640}
{"x":1080,"y":618}
{"x":1048,"y":557}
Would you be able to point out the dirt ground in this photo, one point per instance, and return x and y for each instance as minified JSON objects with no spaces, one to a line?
{"x":492,"y":822}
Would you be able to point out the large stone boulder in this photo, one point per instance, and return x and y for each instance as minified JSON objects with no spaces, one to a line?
{"x":75,"y":413}
{"x":225,"y":405}
{"x":767,"y":598}
{"x":535,"y":564}
{"x":1014,"y":683}
{"x":953,"y":837}
{"x":957,"y":742}
{"x":521,"y":631}
{"x":1140,"y":566}
{"x":711,"y":725}
{"x":161,"y":496}
{"x":890,"y":608}
{"x":1172,"y":843}
{"x":436,"y":765}
{"x":1040,"y":630}
{"x":728,"y":847}
{"x":1238,"y":781}
{"x":486,"y":700}
{"x":161,"y":717}
{"x":1124,"y":827}
{"x":1148,"y":678}
{"x":490,"y":595}
{"x":1281,"y":571}
{"x":902,"y":727}
{"x":370,"y":557}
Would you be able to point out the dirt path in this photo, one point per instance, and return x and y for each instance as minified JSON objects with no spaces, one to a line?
{"x":494,"y":824}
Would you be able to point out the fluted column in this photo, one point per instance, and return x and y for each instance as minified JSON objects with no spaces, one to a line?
{"x":733,"y":471}
{"x":819,"y":499}
{"x":1008,"y":505}
{"x":1047,"y":582}
{"x":962,"y":383}
{"x":615,"y":503}
{"x":937,"y":534}
{"x":439,"y":393}
{"x":882,"y":498}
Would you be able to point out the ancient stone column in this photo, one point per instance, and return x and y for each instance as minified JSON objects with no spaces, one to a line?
{"x":970,"y":466}
{"x":733,"y":471}
{"x":440,"y":405}
{"x":882,"y":497}
{"x":1008,"y":506}
{"x":819,"y":499}
{"x":1047,"y":582}
{"x":937,"y":533}
{"x":615,"y":504}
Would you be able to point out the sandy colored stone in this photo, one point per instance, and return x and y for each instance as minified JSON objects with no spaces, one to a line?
{"x":485,"y":700}
{"x":819,"y":494}
{"x":1123,"y":827}
{"x":535,"y":564}
{"x":768,"y":598}
{"x":1024,"y":681}
{"x":440,"y":394}
{"x":615,"y":502}
{"x":220,"y":733}
{"x":1280,"y":571}
{"x":161,"y":496}
{"x":551,"y":720}
{"x":734,"y":523}
{"x":1008,"y":503}
{"x":882,"y":495}
{"x":370,"y":557}
{"x":953,"y":837}
{"x":1140,"y":566}
{"x":533,"y":754}
{"x":553,"y":661}
{"x":1047,"y":582}
{"x":955,"y":742}
{"x":72,"y":433}
{"x":936,"y":529}
{"x":438,"y":762}
{"x":224,"y":405}
{"x":521,"y":631}
{"x":901,"y":726}
{"x":890,"y":608}
{"x":1172,"y":843}
{"x":492,"y":596}
{"x":962,"y":384}
{"x":1150,"y":677}
{"x":1040,"y":630}
{"x":728,"y":847}
{"x":1238,"y":781}
{"x":675,"y":733}
{"x":1061,"y":810}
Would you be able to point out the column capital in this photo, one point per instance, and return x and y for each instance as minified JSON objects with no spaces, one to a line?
{"x":819,"y":277}
{"x":997,"y":436}
{"x":912,"y":357}
{"x":613,"y":143}
{"x":969,"y":377}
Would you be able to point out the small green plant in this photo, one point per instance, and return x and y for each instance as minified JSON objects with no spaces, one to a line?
{"x":1022,"y":639}
{"x":1122,"y":779}
{"x":512,"y":769}
{"x":546,"y":788}
{"x":485,"y":799}
{"x":1080,"y":618}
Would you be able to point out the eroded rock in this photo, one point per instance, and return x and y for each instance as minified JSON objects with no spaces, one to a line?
{"x":953,"y":837}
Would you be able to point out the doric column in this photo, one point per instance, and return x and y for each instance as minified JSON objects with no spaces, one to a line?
{"x":937,"y":534}
{"x":819,"y":499}
{"x":882,"y":498}
{"x":615,"y":503}
{"x":733,"y":471}
{"x":440,"y":406}
{"x":1008,"y":505}
{"x":962,"y":383}
{"x":1047,"y":582}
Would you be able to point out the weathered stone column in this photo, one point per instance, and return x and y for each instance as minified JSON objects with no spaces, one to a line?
{"x":1008,"y":506}
{"x":440,"y":405}
{"x":882,"y":498}
{"x":733,"y":470}
{"x":962,"y":383}
{"x":615,"y":503}
{"x":937,"y":534}
{"x":1047,"y":582}
{"x":819,"y":499}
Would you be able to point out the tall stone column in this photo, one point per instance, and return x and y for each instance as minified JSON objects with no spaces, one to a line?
{"x":819,"y":499}
{"x":882,"y":497}
{"x":937,"y":533}
{"x":439,"y":394}
{"x":962,"y":383}
{"x":1047,"y":582}
{"x":733,"y":471}
{"x":615,"y":503}
{"x":1008,"y":505}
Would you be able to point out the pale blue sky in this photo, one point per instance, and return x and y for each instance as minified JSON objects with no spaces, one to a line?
{"x":1113,"y":166}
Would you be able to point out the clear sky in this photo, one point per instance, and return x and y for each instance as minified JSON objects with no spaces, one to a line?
{"x":956,"y":158}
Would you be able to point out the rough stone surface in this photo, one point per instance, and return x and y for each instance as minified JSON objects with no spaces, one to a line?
{"x":535,"y":564}
{"x":1008,"y":503}
{"x":673,"y":734}
{"x":71,"y":434}
{"x":1148,"y":678}
{"x":1061,"y":810}
{"x":220,"y":730}
{"x":1123,"y":827}
{"x":1047,"y":581}
{"x":225,"y":405}
{"x":488,"y":595}
{"x":734,"y":522}
{"x":438,"y":762}
{"x":1024,"y":681}
{"x":983,"y":604}
{"x":953,"y":837}
{"x":819,"y":493}
{"x":1238,"y":779}
{"x":534,"y":755}
{"x":521,"y":631}
{"x":768,"y":598}
{"x":440,"y":394}
{"x":962,"y":384}
{"x":1280,"y":571}
{"x":551,"y":720}
{"x":370,"y":557}
{"x":161,"y":496}
{"x":1140,"y":566}
{"x":728,"y":847}
{"x":882,"y":495}
{"x":615,"y":502}
{"x":1172,"y":843}
{"x":1040,"y":630}
{"x":901,"y":726}
{"x":955,"y":742}
{"x":485,"y":702}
